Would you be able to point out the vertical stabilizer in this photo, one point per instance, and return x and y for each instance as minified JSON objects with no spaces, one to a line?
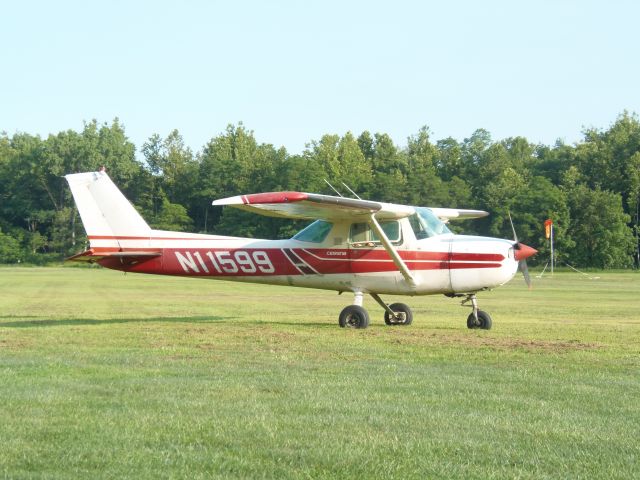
{"x":105,"y":212}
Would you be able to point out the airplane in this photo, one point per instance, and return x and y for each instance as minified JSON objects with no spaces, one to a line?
{"x":352,"y":245}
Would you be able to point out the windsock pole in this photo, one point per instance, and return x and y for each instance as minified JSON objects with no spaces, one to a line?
{"x":553,"y":260}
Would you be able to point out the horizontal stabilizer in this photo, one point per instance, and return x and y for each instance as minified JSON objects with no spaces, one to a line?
{"x":92,"y":256}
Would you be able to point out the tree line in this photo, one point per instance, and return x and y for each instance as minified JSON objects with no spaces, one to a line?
{"x":591,"y":189}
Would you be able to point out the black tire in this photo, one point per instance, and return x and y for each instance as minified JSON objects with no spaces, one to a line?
{"x":400,"y":308}
{"x":484,"y":321}
{"x":354,"y":316}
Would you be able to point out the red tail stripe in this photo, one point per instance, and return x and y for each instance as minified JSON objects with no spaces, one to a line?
{"x":123,"y":237}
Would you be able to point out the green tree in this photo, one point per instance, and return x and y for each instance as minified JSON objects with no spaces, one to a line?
{"x":173,"y":164}
{"x":534,"y":204}
{"x":234,"y":163}
{"x":389,"y":170}
{"x":174,"y":172}
{"x":471,"y":153}
{"x":366,"y":144}
{"x":424,"y":186}
{"x":599,"y":228}
{"x":448,"y":160}
{"x":582,"y":187}
{"x":171,"y":216}
{"x":10,"y":249}
{"x":301,"y":173}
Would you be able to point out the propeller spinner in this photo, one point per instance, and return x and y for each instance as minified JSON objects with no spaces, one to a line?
{"x":521,"y":253}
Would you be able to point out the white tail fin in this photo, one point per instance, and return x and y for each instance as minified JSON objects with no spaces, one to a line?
{"x":104,"y":210}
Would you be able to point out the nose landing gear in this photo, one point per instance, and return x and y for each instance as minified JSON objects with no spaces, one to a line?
{"x":477,"y":318}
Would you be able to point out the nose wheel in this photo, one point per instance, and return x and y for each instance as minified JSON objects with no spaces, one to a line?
{"x":477,"y":318}
{"x":483,"y":321}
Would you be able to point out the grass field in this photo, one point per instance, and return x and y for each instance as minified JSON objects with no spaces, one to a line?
{"x":106,"y":375}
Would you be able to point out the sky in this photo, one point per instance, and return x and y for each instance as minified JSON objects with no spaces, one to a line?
{"x":292,"y":71}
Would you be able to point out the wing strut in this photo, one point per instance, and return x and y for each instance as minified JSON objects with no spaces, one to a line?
{"x":393,"y":253}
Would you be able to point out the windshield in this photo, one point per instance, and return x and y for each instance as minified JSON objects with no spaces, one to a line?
{"x":425,"y":224}
{"x":315,"y":233}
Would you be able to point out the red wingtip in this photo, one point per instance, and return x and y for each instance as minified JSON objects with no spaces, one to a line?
{"x":523,"y":251}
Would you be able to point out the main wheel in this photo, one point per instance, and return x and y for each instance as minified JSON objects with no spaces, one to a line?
{"x":354,"y":316}
{"x":484,"y":321}
{"x":406,"y":316}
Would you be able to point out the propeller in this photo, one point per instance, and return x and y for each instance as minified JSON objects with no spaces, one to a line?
{"x":521,"y":253}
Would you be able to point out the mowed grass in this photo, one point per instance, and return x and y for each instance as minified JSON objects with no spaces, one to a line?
{"x":106,"y":375}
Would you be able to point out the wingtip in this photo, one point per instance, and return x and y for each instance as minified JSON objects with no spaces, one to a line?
{"x":237,"y":200}
{"x":262,"y":198}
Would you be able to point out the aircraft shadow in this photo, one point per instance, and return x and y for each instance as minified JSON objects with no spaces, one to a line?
{"x":107,"y":321}
{"x":291,"y":323}
{"x":31,"y":321}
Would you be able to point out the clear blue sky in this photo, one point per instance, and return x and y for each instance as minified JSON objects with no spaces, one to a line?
{"x":293,"y":71}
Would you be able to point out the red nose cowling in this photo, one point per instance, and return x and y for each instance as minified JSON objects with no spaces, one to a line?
{"x":523,"y":251}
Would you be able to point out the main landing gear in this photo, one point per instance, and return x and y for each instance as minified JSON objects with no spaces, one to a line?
{"x":355,"y":316}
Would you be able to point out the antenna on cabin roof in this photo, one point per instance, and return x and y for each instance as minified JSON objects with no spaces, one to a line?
{"x":347,"y":187}
{"x":332,"y":187}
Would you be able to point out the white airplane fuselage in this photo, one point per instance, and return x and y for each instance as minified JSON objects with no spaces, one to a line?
{"x":445,"y":263}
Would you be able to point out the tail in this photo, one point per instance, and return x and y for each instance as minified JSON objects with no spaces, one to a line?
{"x":106,"y":214}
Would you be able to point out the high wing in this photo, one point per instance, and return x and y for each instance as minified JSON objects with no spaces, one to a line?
{"x":313,"y":206}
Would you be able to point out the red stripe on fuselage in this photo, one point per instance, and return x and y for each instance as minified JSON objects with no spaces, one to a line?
{"x":333,"y":254}
{"x":249,"y":262}
{"x":326,"y":264}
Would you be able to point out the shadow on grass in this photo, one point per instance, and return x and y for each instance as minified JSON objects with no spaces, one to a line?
{"x":107,"y":321}
{"x":32,"y":321}
{"x":291,"y":323}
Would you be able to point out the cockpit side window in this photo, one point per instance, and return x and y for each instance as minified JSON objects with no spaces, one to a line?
{"x":425,"y":224}
{"x":362,"y":234}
